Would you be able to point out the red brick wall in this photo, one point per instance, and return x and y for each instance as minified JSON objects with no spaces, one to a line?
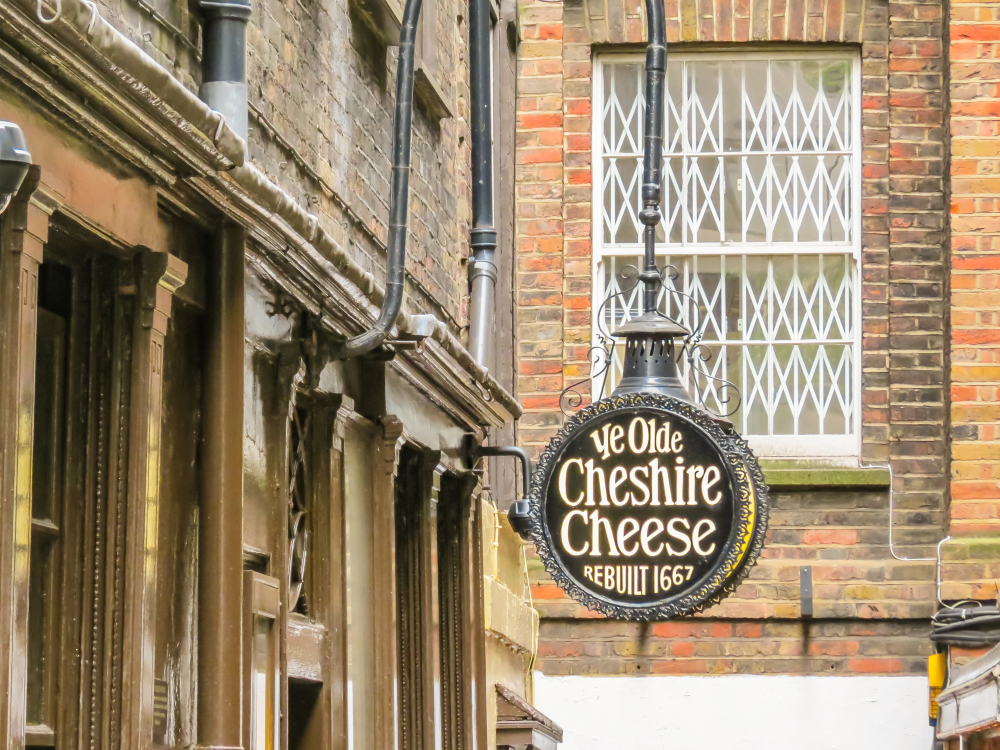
{"x":975,"y":245}
{"x":862,"y":592}
{"x":973,"y":560}
{"x":733,"y":647}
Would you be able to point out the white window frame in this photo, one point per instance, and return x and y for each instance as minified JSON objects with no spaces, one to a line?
{"x":774,"y":446}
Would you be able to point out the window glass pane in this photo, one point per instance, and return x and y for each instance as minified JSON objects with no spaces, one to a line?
{"x":703,"y":102}
{"x":47,"y":459}
{"x":787,"y":124}
{"x":358,"y":492}
{"x":38,"y":617}
{"x":759,"y":153}
{"x":779,"y":328}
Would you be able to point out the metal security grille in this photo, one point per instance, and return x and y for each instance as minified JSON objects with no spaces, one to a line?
{"x":759,"y":226}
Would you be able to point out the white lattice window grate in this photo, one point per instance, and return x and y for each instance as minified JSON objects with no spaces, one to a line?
{"x":760,"y":226}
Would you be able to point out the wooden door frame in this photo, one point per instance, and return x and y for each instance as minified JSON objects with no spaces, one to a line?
{"x":23,"y":233}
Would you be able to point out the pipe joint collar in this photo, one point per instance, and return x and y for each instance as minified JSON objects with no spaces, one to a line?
{"x":656,"y":57}
{"x":484,"y":267}
{"x":483,"y":239}
{"x":233,"y":11}
{"x":651,"y":192}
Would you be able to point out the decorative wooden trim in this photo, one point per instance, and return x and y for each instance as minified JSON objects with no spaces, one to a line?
{"x":336,"y":591}
{"x":329,"y":563}
{"x":384,"y":583}
{"x":463,"y":643}
{"x":159,"y":276}
{"x":418,"y":601}
{"x":23,"y":233}
{"x":473,"y":605}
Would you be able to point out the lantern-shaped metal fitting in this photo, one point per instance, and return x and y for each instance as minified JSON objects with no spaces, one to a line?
{"x":650,"y":356}
{"x":650,"y":364}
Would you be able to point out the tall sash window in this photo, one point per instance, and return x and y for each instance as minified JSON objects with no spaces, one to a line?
{"x":760,"y":237}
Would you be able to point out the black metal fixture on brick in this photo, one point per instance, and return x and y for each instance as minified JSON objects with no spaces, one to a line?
{"x":518,"y":512}
{"x":650,"y":360}
{"x":651,"y":352}
{"x":650,"y":364}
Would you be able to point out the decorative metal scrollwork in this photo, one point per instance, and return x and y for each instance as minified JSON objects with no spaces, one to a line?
{"x":572,"y":397}
{"x":693,"y":351}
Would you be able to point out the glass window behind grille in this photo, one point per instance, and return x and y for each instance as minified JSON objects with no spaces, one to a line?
{"x":759,"y":237}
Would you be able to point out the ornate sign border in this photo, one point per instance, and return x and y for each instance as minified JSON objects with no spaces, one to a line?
{"x":749,"y":493}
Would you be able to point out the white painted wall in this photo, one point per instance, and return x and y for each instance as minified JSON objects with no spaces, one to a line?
{"x":737,"y":712}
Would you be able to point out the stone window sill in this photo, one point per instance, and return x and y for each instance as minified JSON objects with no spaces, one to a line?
{"x":789,"y":474}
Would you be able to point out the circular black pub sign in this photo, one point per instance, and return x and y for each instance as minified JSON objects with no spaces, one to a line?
{"x":644,"y":508}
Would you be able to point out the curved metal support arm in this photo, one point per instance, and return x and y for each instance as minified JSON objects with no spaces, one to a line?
{"x":518,"y":513}
{"x":395,"y":256}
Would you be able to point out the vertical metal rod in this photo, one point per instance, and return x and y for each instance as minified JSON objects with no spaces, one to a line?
{"x":483,"y":239}
{"x":652,"y":147}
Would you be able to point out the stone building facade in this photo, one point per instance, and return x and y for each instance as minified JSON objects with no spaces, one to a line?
{"x":215,"y":531}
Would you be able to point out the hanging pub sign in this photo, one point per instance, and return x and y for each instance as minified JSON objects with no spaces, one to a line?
{"x":644,"y":507}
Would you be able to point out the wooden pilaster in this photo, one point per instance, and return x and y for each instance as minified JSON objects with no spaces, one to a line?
{"x":23,"y":233}
{"x":384,"y":584}
{"x":159,"y":276}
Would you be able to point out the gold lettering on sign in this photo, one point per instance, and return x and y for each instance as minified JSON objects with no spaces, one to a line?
{"x":562,"y":482}
{"x":641,"y":506}
{"x":632,"y":580}
{"x":620,"y":539}
{"x":656,"y":483}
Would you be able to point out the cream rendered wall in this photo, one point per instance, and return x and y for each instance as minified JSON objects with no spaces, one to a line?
{"x":737,"y":712}
{"x":511,"y":623}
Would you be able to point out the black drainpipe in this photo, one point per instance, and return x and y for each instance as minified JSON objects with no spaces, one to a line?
{"x":395,"y":255}
{"x":223,"y":61}
{"x":483,"y":239}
